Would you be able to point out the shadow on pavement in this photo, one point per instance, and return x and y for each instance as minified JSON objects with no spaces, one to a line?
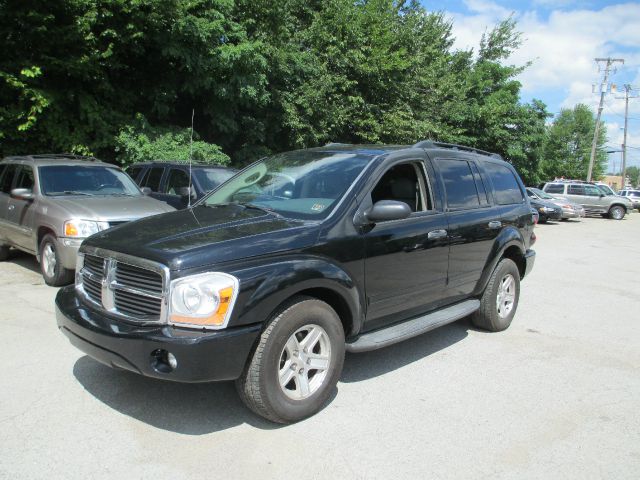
{"x":362,"y":366}
{"x":187,"y":408}
{"x":24,"y":260}
{"x":202,"y":408}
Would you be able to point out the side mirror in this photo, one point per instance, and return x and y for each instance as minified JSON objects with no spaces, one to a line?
{"x":387,"y":210}
{"x":22,"y":194}
{"x":146,"y":190}
{"x":601,"y":195}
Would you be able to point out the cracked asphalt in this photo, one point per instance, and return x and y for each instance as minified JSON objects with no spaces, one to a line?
{"x":555,"y":396}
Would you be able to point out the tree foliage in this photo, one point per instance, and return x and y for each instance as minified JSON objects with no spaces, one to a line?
{"x":568,"y":147}
{"x":263,"y":76}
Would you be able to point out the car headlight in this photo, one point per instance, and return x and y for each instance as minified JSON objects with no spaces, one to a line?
{"x":204,"y":300}
{"x":83,"y":228}
{"x":546,"y":209}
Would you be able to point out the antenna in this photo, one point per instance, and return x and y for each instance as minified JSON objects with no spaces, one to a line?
{"x":193,"y":112}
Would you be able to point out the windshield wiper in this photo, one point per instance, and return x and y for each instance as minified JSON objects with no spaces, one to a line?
{"x":253,"y":206}
{"x":72,"y":192}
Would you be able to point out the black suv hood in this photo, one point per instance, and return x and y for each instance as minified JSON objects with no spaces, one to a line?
{"x":206,"y":236}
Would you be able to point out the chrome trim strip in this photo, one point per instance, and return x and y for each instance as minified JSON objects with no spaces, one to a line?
{"x":118,"y":286}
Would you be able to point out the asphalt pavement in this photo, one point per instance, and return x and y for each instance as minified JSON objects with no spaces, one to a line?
{"x":555,"y":396}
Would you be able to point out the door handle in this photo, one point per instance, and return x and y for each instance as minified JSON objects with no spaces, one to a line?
{"x":433,"y":234}
{"x":495,"y":224}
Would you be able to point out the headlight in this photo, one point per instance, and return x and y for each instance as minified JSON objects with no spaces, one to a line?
{"x":83,"y":228}
{"x":546,"y":209}
{"x":203,"y":300}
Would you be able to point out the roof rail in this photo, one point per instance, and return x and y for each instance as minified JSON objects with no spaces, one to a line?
{"x":453,"y":146}
{"x":335,"y":144}
{"x":59,"y":156}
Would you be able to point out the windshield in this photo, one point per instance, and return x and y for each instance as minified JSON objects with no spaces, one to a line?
{"x":541,"y":194}
{"x":89,"y":180}
{"x":210,"y":178}
{"x":303,"y":184}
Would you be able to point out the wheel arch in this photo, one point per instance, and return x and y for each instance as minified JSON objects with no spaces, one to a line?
{"x":508,"y":244}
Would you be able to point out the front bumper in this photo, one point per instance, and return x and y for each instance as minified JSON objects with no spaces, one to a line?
{"x":202,"y":356}
{"x":68,"y":251}
{"x":530,"y":259}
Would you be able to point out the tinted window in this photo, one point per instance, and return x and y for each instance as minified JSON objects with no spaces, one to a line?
{"x":152,"y":178}
{"x":177,"y":179}
{"x":3,"y":167}
{"x":554,"y":188}
{"x":134,"y":172}
{"x":7,"y":178}
{"x":507,"y":189}
{"x":575,"y":190}
{"x":25,"y":178}
{"x":482,"y":191}
{"x":459,"y":184}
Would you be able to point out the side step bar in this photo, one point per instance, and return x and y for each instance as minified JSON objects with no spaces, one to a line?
{"x":411,"y":328}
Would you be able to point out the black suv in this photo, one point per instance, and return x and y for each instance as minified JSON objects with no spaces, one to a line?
{"x":299,"y":257}
{"x":169,"y":181}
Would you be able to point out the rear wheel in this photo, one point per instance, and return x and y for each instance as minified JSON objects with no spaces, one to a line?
{"x":500,"y":299}
{"x":297,"y":363}
{"x":53,"y":272}
{"x":4,"y":252}
{"x":616,"y":212}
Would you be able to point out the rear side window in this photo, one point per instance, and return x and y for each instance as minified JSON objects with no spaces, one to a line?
{"x":7,"y":178}
{"x":505,"y":184}
{"x":152,"y":178}
{"x":592,"y":191}
{"x":459,"y":184}
{"x":554,"y":188}
{"x":482,"y":191}
{"x":575,"y":190}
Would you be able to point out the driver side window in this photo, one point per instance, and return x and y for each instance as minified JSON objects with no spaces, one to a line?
{"x":406,"y":183}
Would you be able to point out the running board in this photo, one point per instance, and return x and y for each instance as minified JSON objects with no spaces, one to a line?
{"x":411,"y":328}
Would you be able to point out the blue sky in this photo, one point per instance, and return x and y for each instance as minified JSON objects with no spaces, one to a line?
{"x":562,"y":38}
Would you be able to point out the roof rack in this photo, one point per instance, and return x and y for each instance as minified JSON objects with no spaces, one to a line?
{"x":57,"y":156}
{"x":453,"y":146}
{"x":336,"y":144}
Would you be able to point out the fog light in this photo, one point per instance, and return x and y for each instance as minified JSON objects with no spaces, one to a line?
{"x":163,"y":361}
{"x":171,"y":359}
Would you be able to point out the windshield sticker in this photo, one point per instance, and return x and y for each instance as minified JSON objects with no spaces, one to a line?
{"x":318,"y":207}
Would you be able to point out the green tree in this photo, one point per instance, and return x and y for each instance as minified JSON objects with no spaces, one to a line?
{"x":633,"y":173}
{"x":141,"y":142}
{"x":568,"y":147}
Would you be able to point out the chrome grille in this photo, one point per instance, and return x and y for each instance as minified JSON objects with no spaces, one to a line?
{"x":125,"y":286}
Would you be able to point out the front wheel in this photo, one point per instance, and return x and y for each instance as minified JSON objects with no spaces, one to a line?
{"x":296,"y":364}
{"x":616,"y":213}
{"x":53,"y":273}
{"x":500,"y":299}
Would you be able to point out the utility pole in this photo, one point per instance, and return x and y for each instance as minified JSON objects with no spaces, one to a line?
{"x":603,"y":90}
{"x":627,"y":90}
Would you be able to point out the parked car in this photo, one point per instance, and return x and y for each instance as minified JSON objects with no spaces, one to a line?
{"x":591,"y":197}
{"x":633,"y":195}
{"x":169,"y":181}
{"x":50,"y":203}
{"x":569,"y":209}
{"x":299,"y":257}
{"x":547,"y":210}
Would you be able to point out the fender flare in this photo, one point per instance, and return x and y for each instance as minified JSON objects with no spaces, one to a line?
{"x":506,"y":239}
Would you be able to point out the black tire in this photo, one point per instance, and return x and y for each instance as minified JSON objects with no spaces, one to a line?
{"x":55,"y":275}
{"x":487,"y":316}
{"x":4,"y":252}
{"x":260,"y":387}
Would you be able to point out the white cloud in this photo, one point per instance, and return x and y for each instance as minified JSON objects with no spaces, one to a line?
{"x":561,"y":47}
